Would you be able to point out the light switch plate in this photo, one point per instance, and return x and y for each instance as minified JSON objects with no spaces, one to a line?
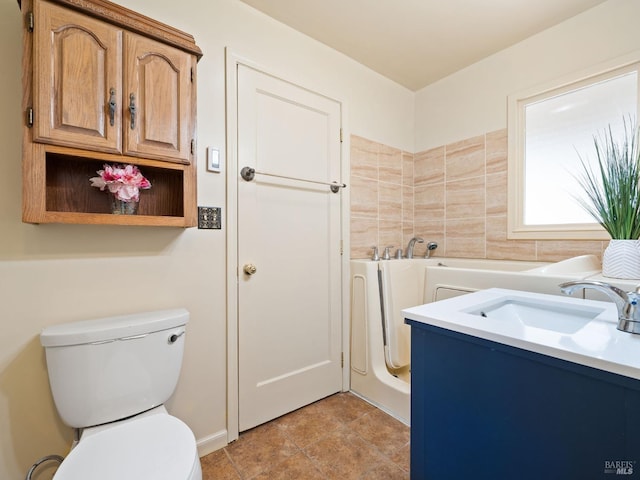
{"x":209,"y":218}
{"x":213,"y":159}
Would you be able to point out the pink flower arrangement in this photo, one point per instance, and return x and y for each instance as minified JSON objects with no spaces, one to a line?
{"x":124,"y":181}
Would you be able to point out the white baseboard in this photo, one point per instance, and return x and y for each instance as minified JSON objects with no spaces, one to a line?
{"x":211,"y":443}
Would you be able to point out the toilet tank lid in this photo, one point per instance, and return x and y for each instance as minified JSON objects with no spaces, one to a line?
{"x":112,"y":328}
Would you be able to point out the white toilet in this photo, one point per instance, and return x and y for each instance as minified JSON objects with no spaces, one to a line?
{"x":109,"y":378}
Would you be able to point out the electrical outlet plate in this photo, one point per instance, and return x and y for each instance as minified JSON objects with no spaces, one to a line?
{"x":209,"y":218}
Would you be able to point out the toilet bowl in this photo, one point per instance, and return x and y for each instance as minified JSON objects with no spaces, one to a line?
{"x":153,"y":445}
{"x":110,"y":378}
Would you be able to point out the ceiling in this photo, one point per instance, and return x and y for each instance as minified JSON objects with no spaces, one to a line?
{"x":417,"y":42}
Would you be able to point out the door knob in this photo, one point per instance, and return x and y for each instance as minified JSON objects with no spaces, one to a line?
{"x":249,"y":269}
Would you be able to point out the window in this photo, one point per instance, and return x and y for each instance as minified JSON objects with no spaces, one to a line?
{"x":551,"y":131}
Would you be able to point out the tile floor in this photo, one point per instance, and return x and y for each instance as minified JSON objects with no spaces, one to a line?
{"x":340,"y":437}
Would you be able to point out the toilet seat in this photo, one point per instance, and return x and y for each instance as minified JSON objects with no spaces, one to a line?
{"x":156,"y":446}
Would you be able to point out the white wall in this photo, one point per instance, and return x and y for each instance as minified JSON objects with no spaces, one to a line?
{"x":56,"y":273}
{"x":474,"y":100}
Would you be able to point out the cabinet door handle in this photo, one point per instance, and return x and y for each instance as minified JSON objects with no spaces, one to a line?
{"x":132,"y":110}
{"x":112,"y":106}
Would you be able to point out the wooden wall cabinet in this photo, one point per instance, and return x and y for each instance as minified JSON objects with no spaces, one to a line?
{"x":103,"y":84}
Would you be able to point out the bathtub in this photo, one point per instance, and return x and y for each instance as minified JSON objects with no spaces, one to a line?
{"x":380,"y":340}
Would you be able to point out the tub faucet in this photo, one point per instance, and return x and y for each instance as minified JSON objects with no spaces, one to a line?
{"x":431,"y":246}
{"x":626,"y":302}
{"x":412,"y":244}
{"x":387,"y":255}
{"x":375,"y":257}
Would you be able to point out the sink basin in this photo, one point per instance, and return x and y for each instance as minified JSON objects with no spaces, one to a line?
{"x":547,"y":315}
{"x":573,"y":329}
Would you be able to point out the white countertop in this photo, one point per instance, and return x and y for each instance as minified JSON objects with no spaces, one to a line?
{"x":598,"y":344}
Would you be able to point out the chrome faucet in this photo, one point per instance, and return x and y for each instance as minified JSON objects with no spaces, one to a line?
{"x":412,"y":244}
{"x":626,"y":302}
{"x":431,"y":246}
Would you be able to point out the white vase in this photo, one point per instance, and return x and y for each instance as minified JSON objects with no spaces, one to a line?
{"x":621,"y":259}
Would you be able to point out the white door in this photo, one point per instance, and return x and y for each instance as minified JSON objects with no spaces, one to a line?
{"x":289,"y":311}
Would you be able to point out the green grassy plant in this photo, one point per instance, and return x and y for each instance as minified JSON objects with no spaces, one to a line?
{"x":612,"y":186}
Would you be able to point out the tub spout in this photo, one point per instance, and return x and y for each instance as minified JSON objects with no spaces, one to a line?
{"x":626,"y":302}
{"x":412,"y":244}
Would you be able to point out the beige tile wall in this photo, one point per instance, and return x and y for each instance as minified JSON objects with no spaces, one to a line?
{"x":455,"y":195}
{"x":381,"y":197}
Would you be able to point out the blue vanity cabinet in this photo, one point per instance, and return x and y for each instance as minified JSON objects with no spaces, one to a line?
{"x":484,"y":410}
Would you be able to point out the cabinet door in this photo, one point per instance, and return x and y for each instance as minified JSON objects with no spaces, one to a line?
{"x":77,"y":74}
{"x":158,"y":88}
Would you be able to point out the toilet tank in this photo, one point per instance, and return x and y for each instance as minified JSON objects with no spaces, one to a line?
{"x":111,"y":368}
